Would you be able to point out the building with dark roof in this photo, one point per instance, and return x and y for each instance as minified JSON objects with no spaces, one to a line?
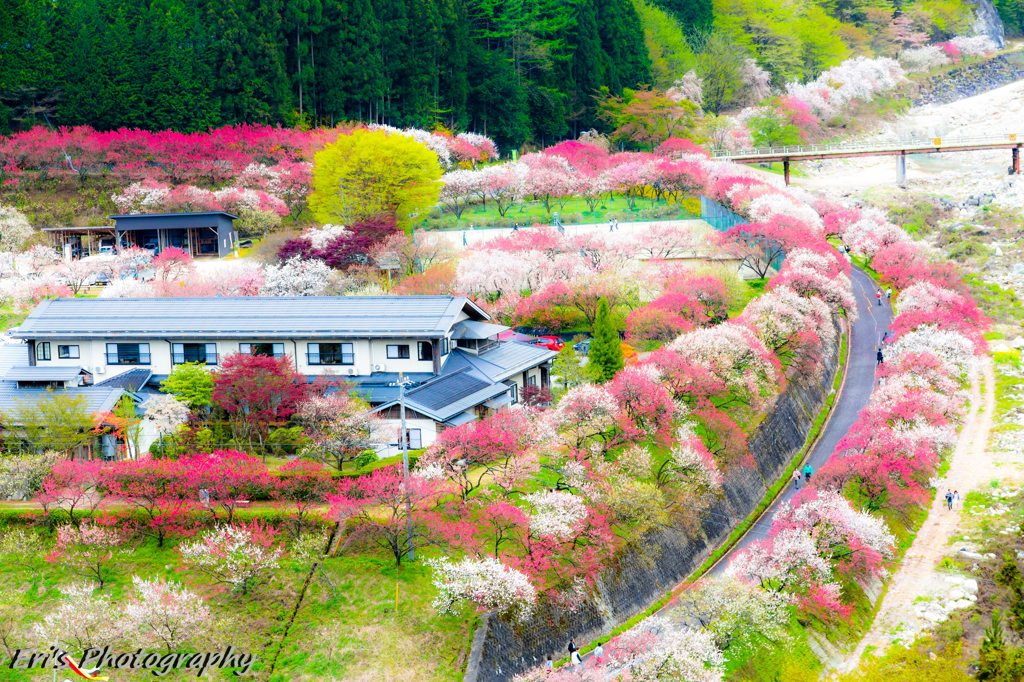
{"x":446,"y":345}
{"x":202,"y":233}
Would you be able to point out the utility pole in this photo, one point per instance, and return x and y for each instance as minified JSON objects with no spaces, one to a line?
{"x":404,"y":443}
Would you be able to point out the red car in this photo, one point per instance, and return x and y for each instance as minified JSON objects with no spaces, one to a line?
{"x":550,"y":342}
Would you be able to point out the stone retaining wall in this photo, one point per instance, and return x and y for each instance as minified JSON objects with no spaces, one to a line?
{"x":647,"y":570}
{"x":970,"y":80}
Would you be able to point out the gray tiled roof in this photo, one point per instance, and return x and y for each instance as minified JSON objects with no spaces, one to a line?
{"x":12,"y":355}
{"x":132,"y":380}
{"x":450,"y":394}
{"x":244,"y":316}
{"x":41,"y":373}
{"x":97,"y":398}
{"x":500,"y":362}
{"x":471,"y":329}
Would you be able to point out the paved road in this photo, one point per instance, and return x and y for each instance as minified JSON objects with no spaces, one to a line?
{"x":872,"y":322}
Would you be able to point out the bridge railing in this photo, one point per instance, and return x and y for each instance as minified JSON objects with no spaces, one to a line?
{"x":909,"y":143}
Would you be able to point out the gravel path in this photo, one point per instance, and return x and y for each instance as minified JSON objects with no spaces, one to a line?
{"x":970,"y":466}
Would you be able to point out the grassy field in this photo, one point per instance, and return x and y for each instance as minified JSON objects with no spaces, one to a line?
{"x":572,"y":211}
{"x":347,"y":626}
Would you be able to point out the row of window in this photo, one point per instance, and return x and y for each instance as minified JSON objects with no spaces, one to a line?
{"x":316,"y":353}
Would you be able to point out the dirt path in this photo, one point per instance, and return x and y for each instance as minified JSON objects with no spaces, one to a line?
{"x":970,"y":466}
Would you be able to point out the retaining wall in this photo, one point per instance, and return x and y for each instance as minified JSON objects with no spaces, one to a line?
{"x":647,"y":570}
{"x":971,"y":80}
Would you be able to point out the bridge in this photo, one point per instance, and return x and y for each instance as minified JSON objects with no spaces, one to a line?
{"x":900,"y":150}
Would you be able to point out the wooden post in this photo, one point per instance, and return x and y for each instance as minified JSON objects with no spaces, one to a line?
{"x":1016,"y":160}
{"x":901,"y":170}
{"x":785,"y":170}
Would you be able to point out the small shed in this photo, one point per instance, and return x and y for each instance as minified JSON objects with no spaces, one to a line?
{"x":209,"y":233}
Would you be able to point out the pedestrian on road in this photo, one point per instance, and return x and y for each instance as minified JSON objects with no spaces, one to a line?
{"x":807,"y":472}
{"x":878,"y":296}
{"x":577,"y":661}
{"x":949,"y":499}
{"x":464,"y":243}
{"x":796,"y":479}
{"x":549,"y":666}
{"x":888,"y":293}
{"x":515,"y":227}
{"x":956,"y":499}
{"x":572,"y":647}
{"x":879,"y":357}
{"x":615,"y":224}
{"x":599,"y":654}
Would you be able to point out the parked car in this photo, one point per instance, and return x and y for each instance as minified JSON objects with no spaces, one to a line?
{"x":106,"y":249}
{"x":550,"y":342}
{"x":582,"y":347}
{"x":152,"y":245}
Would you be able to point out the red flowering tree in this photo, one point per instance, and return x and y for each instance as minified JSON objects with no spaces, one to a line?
{"x":257,"y":391}
{"x":228,"y":477}
{"x":379,"y":509}
{"x":304,"y":486}
{"x":497,"y":450}
{"x":73,"y":487}
{"x":159,"y":494}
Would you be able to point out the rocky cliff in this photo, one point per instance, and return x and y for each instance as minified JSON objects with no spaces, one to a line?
{"x":970,"y":80}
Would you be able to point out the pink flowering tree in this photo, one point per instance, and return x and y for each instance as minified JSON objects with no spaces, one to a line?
{"x":645,"y":407}
{"x":73,"y":489}
{"x":91,"y":548}
{"x":304,"y":486}
{"x":228,"y":476}
{"x":237,"y":555}
{"x":497,"y":450}
{"x":166,"y":614}
{"x":158,"y":495}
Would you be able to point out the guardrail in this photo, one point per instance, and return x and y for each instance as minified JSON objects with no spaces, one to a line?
{"x":912,"y":143}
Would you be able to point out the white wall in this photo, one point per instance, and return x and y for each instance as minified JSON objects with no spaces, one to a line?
{"x":368,"y":356}
{"x":388,"y":433}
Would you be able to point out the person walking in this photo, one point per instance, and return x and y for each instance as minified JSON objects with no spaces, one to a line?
{"x":878,"y":296}
{"x":615,"y":224}
{"x":807,"y":472}
{"x":549,"y":665}
{"x":599,"y":653}
{"x":464,"y":242}
{"x":572,"y":647}
{"x":956,"y":499}
{"x":879,"y":356}
{"x":888,"y":293}
{"x":577,"y":661}
{"x":949,"y":499}
{"x":796,"y":479}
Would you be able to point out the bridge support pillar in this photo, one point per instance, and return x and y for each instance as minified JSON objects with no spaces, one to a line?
{"x":901,"y":170}
{"x":1016,"y":160}
{"x":785,"y":170}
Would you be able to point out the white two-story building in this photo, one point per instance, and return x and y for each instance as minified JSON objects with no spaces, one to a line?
{"x":445,"y":345}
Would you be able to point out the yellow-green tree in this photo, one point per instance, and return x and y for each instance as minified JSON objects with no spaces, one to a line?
{"x":367,"y":173}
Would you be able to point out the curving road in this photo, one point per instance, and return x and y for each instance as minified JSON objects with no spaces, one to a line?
{"x":872,"y":321}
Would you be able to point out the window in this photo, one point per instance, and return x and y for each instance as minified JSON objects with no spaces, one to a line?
{"x":43,"y":350}
{"x":127,"y":353}
{"x":330,"y":354}
{"x":398,"y":352}
{"x":425,"y":350}
{"x":531,"y":379}
{"x":274,"y":350}
{"x":68,"y":352}
{"x":514,"y":393}
{"x":414,"y":439}
{"x":205,"y":353}
{"x":445,"y":346}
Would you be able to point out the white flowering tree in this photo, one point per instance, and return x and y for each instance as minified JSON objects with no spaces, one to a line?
{"x":166,"y":614}
{"x":235,"y":555}
{"x":166,"y":413}
{"x":89,"y":547}
{"x":735,"y":612}
{"x":15,"y":229}
{"x":585,"y":412}
{"x":659,"y":649}
{"x":487,"y":583}
{"x":556,"y":513}
{"x":82,"y":619}
{"x":296,"y":277}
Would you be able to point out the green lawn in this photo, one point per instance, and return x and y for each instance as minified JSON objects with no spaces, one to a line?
{"x":572,"y":211}
{"x":346,"y":628}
